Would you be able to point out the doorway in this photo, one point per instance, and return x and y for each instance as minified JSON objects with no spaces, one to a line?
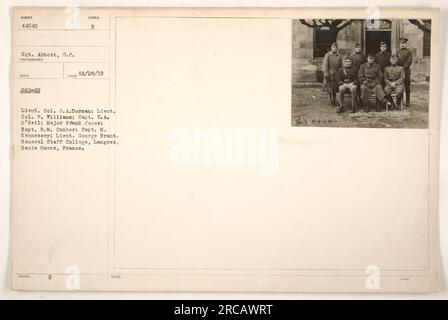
{"x":374,"y":38}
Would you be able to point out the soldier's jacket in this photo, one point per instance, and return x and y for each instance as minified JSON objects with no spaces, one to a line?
{"x":348,"y":75}
{"x":404,"y":58}
{"x":358,"y":59}
{"x":370,"y":73}
{"x":383,"y":59}
{"x":394,"y":74}
{"x":332,"y":63}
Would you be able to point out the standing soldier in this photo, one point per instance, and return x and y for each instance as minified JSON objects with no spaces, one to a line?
{"x":358,"y":57}
{"x":405,"y":60}
{"x":331,"y":65}
{"x":382,"y":58}
{"x":394,"y":76}
{"x":370,"y":77}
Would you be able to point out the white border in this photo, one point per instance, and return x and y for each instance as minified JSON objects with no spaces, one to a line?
{"x":5,"y":49}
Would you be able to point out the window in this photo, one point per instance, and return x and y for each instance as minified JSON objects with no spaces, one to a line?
{"x":323,"y":38}
{"x":378,"y":24}
{"x":427,"y":40}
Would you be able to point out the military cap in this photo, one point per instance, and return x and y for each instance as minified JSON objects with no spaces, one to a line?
{"x":370,"y":55}
{"x":382,"y":43}
{"x":403,"y":40}
{"x":393,"y":56}
{"x":357,"y":44}
{"x":334,"y":44}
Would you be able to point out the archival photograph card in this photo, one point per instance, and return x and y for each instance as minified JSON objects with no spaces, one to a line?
{"x":225,"y":149}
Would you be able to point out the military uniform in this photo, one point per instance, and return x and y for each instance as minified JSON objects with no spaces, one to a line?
{"x":394,"y":82}
{"x":382,"y":58}
{"x":370,"y":76}
{"x":358,"y":58}
{"x":331,"y":65}
{"x":405,"y":60}
{"x":348,"y":81}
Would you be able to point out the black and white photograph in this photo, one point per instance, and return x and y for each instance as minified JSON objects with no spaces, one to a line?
{"x":360,"y":73}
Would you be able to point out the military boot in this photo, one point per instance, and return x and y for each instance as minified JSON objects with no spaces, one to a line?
{"x":380,"y":105}
{"x":331,"y":100}
{"x":340,"y":108}
{"x":398,"y":103}
{"x":408,"y":98}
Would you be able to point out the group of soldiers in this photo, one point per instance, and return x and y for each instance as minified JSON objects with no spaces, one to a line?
{"x":382,"y":74}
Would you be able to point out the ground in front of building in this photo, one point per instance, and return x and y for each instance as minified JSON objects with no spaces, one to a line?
{"x":310,"y":108}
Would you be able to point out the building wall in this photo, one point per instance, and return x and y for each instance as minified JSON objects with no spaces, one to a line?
{"x":305,"y":68}
{"x":420,"y":65}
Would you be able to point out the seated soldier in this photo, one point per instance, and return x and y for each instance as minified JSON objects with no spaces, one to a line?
{"x":394,"y":76}
{"x":358,"y":58}
{"x":370,"y":77}
{"x":348,"y":82}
